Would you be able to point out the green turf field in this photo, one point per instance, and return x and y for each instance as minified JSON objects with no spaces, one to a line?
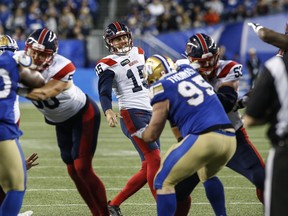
{"x":51,"y":192}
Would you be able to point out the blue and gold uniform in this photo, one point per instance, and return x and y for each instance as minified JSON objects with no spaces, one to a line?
{"x":190,"y":103}
{"x":12,"y":162}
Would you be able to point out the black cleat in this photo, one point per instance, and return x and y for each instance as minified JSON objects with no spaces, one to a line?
{"x":114,"y":210}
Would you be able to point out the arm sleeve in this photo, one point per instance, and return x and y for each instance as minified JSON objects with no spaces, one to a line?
{"x":105,"y":89}
{"x":228,"y":97}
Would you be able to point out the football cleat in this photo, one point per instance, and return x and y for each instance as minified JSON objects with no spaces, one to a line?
{"x":114,"y":210}
{"x":26,"y":213}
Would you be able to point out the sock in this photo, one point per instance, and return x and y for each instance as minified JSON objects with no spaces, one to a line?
{"x":153,"y":165}
{"x":166,"y":204}
{"x":215,"y":194}
{"x":183,"y":206}
{"x":135,"y":183}
{"x":82,"y":189}
{"x":94,"y":184}
{"x":12,"y":203}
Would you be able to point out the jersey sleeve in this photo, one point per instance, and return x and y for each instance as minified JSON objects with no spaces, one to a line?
{"x":66,"y":73}
{"x":230,"y":72}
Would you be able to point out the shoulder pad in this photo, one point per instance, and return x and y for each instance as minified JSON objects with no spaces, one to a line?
{"x":104,"y":64}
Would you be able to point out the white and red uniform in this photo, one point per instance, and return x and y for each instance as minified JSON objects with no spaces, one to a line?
{"x":123,"y":74}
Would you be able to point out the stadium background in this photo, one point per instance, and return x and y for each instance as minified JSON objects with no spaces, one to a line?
{"x":85,"y":45}
{"x":50,"y":190}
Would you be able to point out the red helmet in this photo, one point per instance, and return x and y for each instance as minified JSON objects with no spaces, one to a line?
{"x":113,"y":31}
{"x":41,"y":45}
{"x":202,"y":50}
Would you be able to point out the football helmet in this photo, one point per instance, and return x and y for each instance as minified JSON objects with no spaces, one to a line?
{"x":116,"y":30}
{"x":156,"y":66}
{"x":8,"y":43}
{"x":41,"y":45}
{"x":202,"y":50}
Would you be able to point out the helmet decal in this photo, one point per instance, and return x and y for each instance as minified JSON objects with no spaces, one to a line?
{"x":202,"y":42}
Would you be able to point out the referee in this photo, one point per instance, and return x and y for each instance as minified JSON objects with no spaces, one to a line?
{"x":269,"y":104}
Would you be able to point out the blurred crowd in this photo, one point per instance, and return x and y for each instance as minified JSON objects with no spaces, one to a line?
{"x":67,"y":18}
{"x":158,"y":16}
{"x":76,"y":18}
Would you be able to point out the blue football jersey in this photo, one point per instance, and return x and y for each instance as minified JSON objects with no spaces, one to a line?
{"x":9,"y":77}
{"x":193,"y":105}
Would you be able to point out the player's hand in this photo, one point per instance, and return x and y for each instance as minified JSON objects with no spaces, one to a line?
{"x":111,"y":118}
{"x":241,"y":103}
{"x":256,"y":27}
{"x":22,"y":59}
{"x":30,"y":161}
{"x":139,"y":133}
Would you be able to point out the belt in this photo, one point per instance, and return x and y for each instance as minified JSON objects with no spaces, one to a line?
{"x":227,"y":131}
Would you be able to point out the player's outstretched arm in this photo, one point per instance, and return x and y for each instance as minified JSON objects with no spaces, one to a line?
{"x":269,"y":36}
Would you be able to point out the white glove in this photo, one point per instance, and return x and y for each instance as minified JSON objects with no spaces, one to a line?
{"x":256,"y":27}
{"x":22,"y":59}
{"x":139,"y":132}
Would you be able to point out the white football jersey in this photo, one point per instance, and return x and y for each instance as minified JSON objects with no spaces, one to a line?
{"x":128,"y":84}
{"x":68,"y":102}
{"x":228,"y":70}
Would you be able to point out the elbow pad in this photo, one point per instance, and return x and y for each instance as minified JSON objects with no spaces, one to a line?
{"x":228,"y":97}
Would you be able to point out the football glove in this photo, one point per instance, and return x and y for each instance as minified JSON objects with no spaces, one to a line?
{"x":241,"y":103}
{"x":256,"y":27}
{"x":139,"y":133}
{"x":22,"y":59}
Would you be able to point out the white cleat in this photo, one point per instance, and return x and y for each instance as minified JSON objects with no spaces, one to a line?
{"x":26,"y":213}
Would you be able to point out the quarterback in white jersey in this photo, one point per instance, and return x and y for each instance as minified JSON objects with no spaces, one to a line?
{"x":76,"y":117}
{"x":122,"y":72}
{"x":224,"y":75}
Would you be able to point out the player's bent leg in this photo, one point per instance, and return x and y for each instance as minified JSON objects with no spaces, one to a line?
{"x":183,"y":190}
{"x":135,"y":183}
{"x":96,"y":188}
{"x":153,"y":164}
{"x":215,"y":193}
{"x":248,"y":162}
{"x":82,"y":189}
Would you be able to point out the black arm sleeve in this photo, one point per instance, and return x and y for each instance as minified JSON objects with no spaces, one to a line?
{"x":228,"y":97}
{"x":105,"y":89}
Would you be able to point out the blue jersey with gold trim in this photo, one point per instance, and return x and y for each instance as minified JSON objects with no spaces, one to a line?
{"x":9,"y":77}
{"x":193,"y":105}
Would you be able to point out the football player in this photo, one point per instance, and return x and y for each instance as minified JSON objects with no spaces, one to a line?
{"x":75,"y":116}
{"x":224,"y":75}
{"x":12,"y":163}
{"x":187,"y":100}
{"x":122,"y":72}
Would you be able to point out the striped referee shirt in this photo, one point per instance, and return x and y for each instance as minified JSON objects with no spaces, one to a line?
{"x":269,"y":100}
